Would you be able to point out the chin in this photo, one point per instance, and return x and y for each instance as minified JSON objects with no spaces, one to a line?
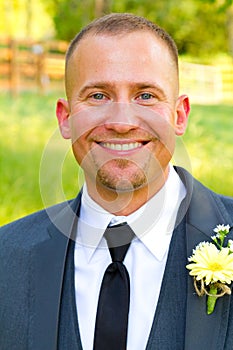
{"x":118,"y":183}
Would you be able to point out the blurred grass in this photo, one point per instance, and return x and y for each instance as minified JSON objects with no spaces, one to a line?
{"x":28,"y":123}
{"x":210,"y":146}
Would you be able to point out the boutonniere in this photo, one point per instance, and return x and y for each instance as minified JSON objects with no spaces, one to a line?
{"x":211,"y":265}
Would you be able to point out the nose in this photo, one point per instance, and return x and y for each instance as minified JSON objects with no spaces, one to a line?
{"x":121,"y":118}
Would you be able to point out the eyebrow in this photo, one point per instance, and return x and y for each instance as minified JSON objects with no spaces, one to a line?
{"x":151,"y":85}
{"x":137,"y":86}
{"x":99,"y":85}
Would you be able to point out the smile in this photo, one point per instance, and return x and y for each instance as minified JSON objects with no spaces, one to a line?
{"x":121,"y":146}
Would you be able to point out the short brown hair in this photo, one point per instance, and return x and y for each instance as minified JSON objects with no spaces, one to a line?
{"x":121,"y":23}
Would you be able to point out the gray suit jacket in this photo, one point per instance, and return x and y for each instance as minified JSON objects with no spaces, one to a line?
{"x":32,"y":257}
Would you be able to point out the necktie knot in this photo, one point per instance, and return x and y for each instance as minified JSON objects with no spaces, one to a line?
{"x":118,"y":239}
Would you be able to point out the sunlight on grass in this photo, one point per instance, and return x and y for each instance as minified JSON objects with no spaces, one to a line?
{"x":28,"y":123}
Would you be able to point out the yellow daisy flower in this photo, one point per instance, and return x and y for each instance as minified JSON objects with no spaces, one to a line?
{"x":211,"y":264}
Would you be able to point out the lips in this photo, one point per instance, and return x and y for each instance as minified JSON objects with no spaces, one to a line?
{"x":129,"y":146}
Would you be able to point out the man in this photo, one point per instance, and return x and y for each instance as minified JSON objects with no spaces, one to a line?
{"x":123,"y":112}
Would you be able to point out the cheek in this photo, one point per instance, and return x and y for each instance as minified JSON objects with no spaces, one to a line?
{"x":76,"y":151}
{"x":80,"y":148}
{"x":161,"y":121}
{"x":85,"y":119}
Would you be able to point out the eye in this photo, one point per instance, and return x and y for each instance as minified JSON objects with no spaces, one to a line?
{"x":145,"y":96}
{"x":98,"y":96}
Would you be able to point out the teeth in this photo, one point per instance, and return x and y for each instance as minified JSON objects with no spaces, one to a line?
{"x":122,"y":147}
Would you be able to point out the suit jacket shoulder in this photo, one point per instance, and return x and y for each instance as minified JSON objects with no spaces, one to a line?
{"x":32,"y":255}
{"x":30,"y":229}
{"x":202,"y":204}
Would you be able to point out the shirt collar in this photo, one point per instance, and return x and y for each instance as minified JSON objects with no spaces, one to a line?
{"x":153,"y":223}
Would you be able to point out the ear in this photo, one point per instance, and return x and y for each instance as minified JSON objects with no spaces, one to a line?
{"x":182,"y":113}
{"x":62,"y":112}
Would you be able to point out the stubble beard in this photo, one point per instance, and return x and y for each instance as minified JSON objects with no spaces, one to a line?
{"x":122,"y":180}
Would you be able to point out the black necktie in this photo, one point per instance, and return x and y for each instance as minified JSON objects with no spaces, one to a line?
{"x":113,"y":306}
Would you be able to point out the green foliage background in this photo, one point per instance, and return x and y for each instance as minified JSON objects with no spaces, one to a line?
{"x":198,"y":26}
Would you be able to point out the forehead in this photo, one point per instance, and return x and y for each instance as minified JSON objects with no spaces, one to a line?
{"x":127,"y":56}
{"x":130,"y":42}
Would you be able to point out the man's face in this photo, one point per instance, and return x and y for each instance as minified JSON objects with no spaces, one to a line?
{"x":123,"y":110}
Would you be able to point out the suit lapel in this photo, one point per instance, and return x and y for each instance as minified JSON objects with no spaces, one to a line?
{"x":205,"y":212}
{"x":169,"y":323}
{"x":47,"y":268}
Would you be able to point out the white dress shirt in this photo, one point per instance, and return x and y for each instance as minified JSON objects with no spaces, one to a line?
{"x":145,"y":260}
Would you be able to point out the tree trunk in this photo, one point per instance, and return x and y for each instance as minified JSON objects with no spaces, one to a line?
{"x":230,"y":28}
{"x":101,"y":7}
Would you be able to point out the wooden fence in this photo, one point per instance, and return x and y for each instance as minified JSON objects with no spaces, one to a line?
{"x":207,"y":84}
{"x":37,"y":66}
{"x":30,"y":65}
